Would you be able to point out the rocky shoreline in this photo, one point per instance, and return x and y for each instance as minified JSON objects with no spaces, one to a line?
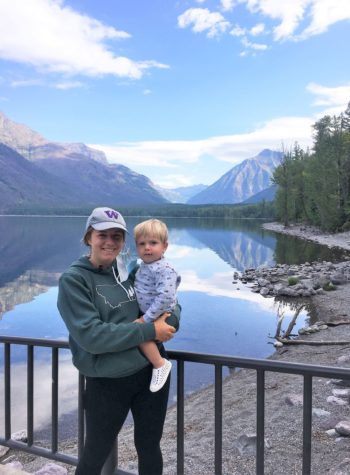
{"x":283,"y":399}
{"x":304,"y":280}
{"x":311,"y":233}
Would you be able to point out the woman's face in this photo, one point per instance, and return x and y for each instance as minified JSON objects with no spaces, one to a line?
{"x":105,"y":246}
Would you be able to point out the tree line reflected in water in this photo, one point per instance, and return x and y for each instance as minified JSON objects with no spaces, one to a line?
{"x":34,"y":251}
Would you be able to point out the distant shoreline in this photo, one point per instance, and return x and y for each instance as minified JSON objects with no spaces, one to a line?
{"x":128,"y":216}
{"x":311,"y":233}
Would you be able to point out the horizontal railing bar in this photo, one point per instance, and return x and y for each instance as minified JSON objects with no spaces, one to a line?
{"x":20,"y":340}
{"x":266,"y":364}
{"x":41,"y":451}
{"x":207,"y":358}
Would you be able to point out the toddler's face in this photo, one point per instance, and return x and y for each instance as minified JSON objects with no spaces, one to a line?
{"x":150,"y":248}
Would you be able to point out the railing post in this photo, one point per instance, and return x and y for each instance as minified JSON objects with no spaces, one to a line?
{"x":307,"y":422}
{"x":30,"y":394}
{"x":260,"y":421}
{"x":81,"y":414}
{"x":54,"y":400}
{"x":218,"y":419}
{"x":180,"y":418}
{"x":7,"y":382}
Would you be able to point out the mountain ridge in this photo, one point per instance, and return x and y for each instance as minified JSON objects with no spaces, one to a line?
{"x":76,"y":174}
{"x":251,"y":176}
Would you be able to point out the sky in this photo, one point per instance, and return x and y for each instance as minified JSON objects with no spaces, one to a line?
{"x":178,"y":90}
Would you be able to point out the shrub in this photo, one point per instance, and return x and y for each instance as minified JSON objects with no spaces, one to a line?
{"x":293,"y":280}
{"x":346,"y":226}
{"x":329,"y":286}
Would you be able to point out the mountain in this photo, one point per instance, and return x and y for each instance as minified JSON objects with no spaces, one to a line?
{"x":181,"y":194}
{"x":242,"y":181}
{"x":34,"y":146}
{"x":24,"y":183}
{"x":268,"y":195}
{"x":34,"y":170}
{"x":18,"y":136}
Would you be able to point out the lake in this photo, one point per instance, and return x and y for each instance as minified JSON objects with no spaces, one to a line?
{"x":219,"y":315}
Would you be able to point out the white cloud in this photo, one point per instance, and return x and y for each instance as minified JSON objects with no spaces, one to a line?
{"x":230,"y":148}
{"x":174,"y":180}
{"x":178,"y":157}
{"x":320,"y":14}
{"x":201,"y":19}
{"x":334,"y":98}
{"x":156,"y":154}
{"x":64,"y":85}
{"x":254,"y":46}
{"x":54,"y":38}
{"x":238,"y":31}
{"x":26,"y":83}
{"x":146,"y":92}
{"x":325,"y":13}
{"x":257,"y":29}
{"x":227,"y":5}
{"x":289,"y":18}
{"x":290,"y":12}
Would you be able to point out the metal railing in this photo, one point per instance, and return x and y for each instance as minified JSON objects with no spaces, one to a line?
{"x":261,"y":366}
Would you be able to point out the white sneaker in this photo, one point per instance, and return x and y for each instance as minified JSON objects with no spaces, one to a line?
{"x":159,"y":376}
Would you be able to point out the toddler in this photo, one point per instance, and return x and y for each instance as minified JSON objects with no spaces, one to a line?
{"x":156,"y":282}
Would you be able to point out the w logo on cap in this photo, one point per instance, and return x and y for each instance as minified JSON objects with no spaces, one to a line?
{"x":111,"y":214}
{"x":105,"y":218}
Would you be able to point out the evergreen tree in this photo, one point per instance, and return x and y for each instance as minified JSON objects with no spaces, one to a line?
{"x":315,"y":187}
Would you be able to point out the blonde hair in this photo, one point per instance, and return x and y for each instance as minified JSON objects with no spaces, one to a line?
{"x":152,"y":227}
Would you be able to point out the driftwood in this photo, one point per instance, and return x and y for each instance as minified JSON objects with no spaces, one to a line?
{"x":334,"y":323}
{"x":285,"y":341}
{"x":280,"y":316}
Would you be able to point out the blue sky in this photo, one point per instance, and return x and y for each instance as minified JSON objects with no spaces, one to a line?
{"x":179,"y":90}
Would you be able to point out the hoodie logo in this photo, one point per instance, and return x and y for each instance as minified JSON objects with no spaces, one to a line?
{"x":112,"y":298}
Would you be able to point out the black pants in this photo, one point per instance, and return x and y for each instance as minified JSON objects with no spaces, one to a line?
{"x":107,"y":403}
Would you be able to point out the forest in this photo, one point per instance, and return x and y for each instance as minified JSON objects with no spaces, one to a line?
{"x":314,"y":185}
{"x":263,"y":210}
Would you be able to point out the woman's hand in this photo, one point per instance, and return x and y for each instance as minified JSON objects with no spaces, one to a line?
{"x":163,"y":331}
{"x":139,"y":320}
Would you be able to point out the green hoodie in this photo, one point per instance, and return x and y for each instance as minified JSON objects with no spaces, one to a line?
{"x":99,"y":311}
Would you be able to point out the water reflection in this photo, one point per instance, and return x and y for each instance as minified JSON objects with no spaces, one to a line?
{"x":68,"y":390}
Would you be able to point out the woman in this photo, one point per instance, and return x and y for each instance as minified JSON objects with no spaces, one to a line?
{"x":98,"y":305}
